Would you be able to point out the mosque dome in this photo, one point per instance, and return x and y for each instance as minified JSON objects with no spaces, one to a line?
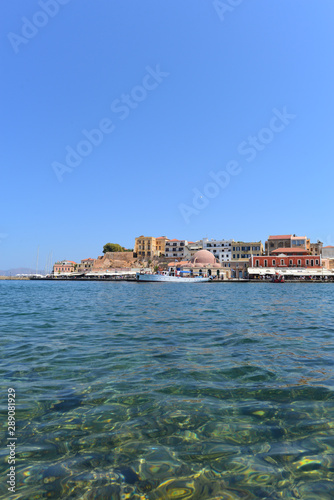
{"x":203,"y":258}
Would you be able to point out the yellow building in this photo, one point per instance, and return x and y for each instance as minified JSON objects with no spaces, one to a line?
{"x":241,"y":252}
{"x":244,"y":250}
{"x":148,"y":246}
{"x":160,"y":244}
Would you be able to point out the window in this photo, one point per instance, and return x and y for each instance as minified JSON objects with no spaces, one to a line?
{"x":282,"y":262}
{"x":256,"y":263}
{"x":274,"y":262}
{"x":307,"y":262}
{"x":299,"y":262}
{"x":317,"y":262}
{"x":312,"y":262}
{"x":290,"y":262}
{"x":265,"y":263}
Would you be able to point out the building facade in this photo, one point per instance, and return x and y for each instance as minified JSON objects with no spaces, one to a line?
{"x":286,"y":241}
{"x":85,"y":265}
{"x":284,"y":258}
{"x":239,"y":269}
{"x":175,"y":249}
{"x":160,"y":245}
{"x":191,"y":248}
{"x":316,"y":248}
{"x":328,"y":252}
{"x":203,"y":263}
{"x":221,"y":249}
{"x":147,"y":247}
{"x":242,"y":250}
{"x":64,"y":266}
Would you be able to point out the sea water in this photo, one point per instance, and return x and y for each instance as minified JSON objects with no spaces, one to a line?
{"x":168,"y":391}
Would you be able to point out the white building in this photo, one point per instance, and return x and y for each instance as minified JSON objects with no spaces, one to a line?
{"x":175,"y":249}
{"x":221,"y":249}
{"x":191,"y":248}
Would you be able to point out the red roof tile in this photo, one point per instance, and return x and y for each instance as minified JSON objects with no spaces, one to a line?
{"x":290,"y":250}
{"x":280,"y":237}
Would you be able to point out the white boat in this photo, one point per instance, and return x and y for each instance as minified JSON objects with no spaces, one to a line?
{"x":166,"y":277}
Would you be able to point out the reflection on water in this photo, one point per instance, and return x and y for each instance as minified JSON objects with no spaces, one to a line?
{"x":128,"y":391}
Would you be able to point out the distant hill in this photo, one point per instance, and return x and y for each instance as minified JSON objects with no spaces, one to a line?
{"x":20,"y":270}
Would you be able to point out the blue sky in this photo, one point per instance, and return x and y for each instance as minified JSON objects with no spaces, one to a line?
{"x":181,"y":92}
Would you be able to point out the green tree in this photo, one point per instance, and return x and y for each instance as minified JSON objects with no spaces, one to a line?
{"x":112,"y":247}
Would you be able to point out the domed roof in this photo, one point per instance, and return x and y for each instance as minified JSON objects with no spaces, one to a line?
{"x":203,"y":257}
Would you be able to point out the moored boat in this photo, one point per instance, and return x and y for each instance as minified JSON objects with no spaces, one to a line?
{"x":166,"y":277}
{"x":278,"y":278}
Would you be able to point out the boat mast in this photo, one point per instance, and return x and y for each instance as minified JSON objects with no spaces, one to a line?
{"x":37,"y":259}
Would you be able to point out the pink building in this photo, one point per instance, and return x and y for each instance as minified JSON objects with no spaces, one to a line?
{"x":64,"y":266}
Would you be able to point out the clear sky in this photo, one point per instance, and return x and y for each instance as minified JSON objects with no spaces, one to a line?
{"x":187,"y":118}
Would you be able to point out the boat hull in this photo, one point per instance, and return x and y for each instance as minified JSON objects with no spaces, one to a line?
{"x":157,"y":278}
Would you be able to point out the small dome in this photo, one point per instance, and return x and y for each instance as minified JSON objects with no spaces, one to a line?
{"x":203,"y":257}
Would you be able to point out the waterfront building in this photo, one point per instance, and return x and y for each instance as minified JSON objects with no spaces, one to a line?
{"x":191,"y":248}
{"x":85,"y":265}
{"x":64,"y":266}
{"x":292,"y":262}
{"x":242,"y":250}
{"x":175,"y":249}
{"x":286,"y":241}
{"x":328,"y":263}
{"x":238,"y":269}
{"x":287,"y":257}
{"x":316,"y":248}
{"x":160,"y":245}
{"x":221,"y":249}
{"x":147,"y":247}
{"x":328,"y":252}
{"x":203,"y":263}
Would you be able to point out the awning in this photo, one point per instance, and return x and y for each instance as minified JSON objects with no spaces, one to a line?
{"x":261,"y":271}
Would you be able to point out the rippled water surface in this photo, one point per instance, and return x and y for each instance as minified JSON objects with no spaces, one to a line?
{"x":169,"y":391}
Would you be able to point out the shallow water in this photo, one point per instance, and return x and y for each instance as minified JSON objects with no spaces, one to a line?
{"x":169,"y":391}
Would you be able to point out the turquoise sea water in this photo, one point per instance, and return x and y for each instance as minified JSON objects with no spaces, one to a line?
{"x":169,"y":391}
